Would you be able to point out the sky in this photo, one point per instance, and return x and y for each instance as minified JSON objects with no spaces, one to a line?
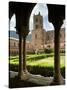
{"x":42,"y":8}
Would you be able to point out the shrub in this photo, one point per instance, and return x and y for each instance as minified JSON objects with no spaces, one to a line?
{"x":62,"y":51}
{"x":15,"y":59}
{"x":40,"y":51}
{"x":48,"y":50}
{"x":44,"y":71}
{"x":30,"y":52}
{"x":40,"y":56}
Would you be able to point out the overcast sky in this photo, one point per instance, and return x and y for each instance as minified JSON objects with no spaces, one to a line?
{"x":42,"y":8}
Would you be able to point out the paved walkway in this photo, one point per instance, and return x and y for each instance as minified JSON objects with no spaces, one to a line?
{"x":37,"y":79}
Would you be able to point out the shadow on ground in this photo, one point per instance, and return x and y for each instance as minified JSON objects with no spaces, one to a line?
{"x":16,"y":83}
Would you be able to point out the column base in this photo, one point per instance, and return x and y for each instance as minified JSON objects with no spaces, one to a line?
{"x":25,"y":75}
{"x":59,"y":81}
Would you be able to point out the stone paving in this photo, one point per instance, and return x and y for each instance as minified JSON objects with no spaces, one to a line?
{"x":37,"y":79}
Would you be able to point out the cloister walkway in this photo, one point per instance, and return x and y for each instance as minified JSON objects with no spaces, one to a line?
{"x":36,"y":79}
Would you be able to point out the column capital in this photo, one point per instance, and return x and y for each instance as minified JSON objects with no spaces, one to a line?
{"x":23,"y":31}
{"x":57,"y":23}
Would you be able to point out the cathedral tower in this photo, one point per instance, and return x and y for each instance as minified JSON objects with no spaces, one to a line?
{"x":38,"y":33}
{"x":37,"y":21}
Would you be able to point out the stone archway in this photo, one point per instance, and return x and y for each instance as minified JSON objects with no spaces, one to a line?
{"x":23,"y":11}
{"x":56,"y":17}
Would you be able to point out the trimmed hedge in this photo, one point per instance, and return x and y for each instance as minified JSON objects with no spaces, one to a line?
{"x":38,"y":57}
{"x":62,"y":51}
{"x":48,"y":50}
{"x":44,"y":71}
{"x":33,"y":58}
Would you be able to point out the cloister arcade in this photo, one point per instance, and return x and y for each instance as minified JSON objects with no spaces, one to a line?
{"x":56,"y":15}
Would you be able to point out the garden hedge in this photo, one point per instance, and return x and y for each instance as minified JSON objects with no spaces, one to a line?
{"x":44,"y":71}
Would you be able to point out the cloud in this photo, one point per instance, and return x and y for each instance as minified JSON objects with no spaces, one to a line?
{"x":42,"y":8}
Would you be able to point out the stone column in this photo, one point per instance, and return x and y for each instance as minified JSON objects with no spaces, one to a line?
{"x":24,"y":54}
{"x":22,"y":73}
{"x":58,"y":79}
{"x":20,"y":57}
{"x":22,"y":31}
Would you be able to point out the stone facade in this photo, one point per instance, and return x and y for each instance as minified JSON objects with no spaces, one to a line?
{"x":41,"y":38}
{"x":38,"y":33}
{"x":50,"y":38}
{"x":14,"y":46}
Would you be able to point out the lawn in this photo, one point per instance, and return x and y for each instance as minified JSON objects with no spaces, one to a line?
{"x":43,"y":60}
{"x":42,"y":64}
{"x":46,"y":62}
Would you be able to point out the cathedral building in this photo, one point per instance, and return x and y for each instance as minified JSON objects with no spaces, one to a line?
{"x":40,"y":39}
{"x":38,"y":33}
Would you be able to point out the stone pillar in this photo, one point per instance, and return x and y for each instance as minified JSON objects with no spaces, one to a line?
{"x":22,"y":73}
{"x":22,"y":31}
{"x":58,"y":79}
{"x":24,"y":54}
{"x":57,"y":74}
{"x":20,"y":57}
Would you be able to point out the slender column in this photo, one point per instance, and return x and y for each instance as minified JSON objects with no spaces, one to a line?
{"x":24,"y":54}
{"x":58,"y":79}
{"x":20,"y":57}
{"x":57,"y":55}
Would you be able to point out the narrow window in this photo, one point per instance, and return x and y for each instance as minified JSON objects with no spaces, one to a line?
{"x":35,"y":36}
{"x":36,"y":26}
{"x":36,"y":19}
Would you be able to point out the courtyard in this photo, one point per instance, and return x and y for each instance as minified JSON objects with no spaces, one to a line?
{"x":41,"y":66}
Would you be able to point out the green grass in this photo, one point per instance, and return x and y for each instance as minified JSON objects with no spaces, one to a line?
{"x":47,"y":62}
{"x":35,"y":60}
{"x":42,"y":64}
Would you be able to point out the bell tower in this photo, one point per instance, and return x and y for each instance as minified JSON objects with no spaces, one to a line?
{"x":38,"y":33}
{"x":37,"y":21}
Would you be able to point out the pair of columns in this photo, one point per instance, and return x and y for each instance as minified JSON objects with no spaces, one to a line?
{"x":22,"y":58}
